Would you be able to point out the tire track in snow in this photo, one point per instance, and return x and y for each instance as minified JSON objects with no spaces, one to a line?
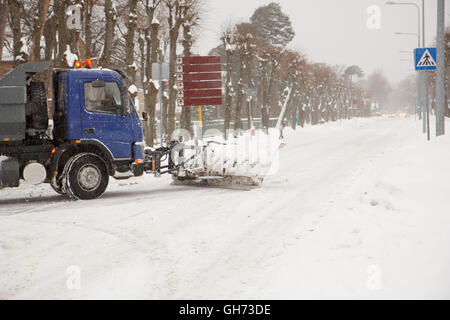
{"x":259,"y":245}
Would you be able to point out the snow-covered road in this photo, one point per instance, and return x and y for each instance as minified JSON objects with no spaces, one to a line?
{"x":354,"y":212}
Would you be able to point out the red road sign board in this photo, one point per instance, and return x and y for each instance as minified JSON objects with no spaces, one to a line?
{"x":200,"y":102}
{"x":217,"y":93}
{"x":186,"y":77}
{"x":201,"y":60}
{"x":195,"y":76}
{"x":202,"y":68}
{"x":202,"y":85}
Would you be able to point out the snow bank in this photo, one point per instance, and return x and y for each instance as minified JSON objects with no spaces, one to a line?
{"x":384,"y":232}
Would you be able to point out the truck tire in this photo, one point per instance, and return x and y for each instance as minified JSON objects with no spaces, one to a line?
{"x":85,"y":177}
{"x":39,"y":110}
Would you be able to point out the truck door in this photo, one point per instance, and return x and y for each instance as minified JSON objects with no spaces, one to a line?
{"x":102,"y":119}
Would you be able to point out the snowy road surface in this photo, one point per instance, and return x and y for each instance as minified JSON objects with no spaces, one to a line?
{"x":355,"y":211}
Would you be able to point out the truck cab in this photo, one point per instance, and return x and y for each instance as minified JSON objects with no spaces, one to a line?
{"x":96,"y":133}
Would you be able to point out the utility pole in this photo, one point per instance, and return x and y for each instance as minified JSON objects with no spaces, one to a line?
{"x":421,"y":77}
{"x":425,"y":78}
{"x":441,"y":104}
{"x":160,"y":71}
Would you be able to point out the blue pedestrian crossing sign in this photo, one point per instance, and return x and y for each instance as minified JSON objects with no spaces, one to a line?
{"x":425,"y":58}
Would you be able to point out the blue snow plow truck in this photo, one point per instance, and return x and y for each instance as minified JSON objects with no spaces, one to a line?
{"x":96,"y":131}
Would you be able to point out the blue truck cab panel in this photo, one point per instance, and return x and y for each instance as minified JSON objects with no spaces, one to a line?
{"x":91,"y":101}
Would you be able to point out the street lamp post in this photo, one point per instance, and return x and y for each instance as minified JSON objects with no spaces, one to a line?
{"x":441,"y":103}
{"x":410,"y":4}
{"x":422,"y":75}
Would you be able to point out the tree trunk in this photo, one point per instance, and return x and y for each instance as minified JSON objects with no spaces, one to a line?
{"x":228,"y":93}
{"x":173,"y":39}
{"x":149,"y":134}
{"x":187,"y":46}
{"x":38,"y":29}
{"x":14,"y":11}
{"x":251,"y":87}
{"x":50,"y":38}
{"x":265,"y":99}
{"x":87,"y":27}
{"x":61,"y":28}
{"x":3,"y":20}
{"x":288,"y":103}
{"x":240,"y":96}
{"x":130,"y":68}
{"x":141,"y":43}
{"x":151,"y":92}
{"x":105,"y":60}
{"x":273,"y":67}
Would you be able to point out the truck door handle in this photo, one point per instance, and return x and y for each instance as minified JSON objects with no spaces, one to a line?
{"x":89,"y":131}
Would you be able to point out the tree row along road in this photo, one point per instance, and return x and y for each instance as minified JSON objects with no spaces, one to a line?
{"x":147,"y":238}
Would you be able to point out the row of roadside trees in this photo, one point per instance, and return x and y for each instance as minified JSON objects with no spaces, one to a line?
{"x":117,"y":34}
{"x":260,"y":68}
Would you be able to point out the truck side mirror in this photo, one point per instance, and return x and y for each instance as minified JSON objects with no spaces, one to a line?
{"x":125,"y":98}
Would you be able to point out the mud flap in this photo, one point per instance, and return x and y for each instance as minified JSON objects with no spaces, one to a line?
{"x":9,"y":173}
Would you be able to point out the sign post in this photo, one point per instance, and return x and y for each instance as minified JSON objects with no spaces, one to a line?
{"x":441,"y":103}
{"x":200,"y":121}
{"x":425,"y":60}
{"x":160,"y":72}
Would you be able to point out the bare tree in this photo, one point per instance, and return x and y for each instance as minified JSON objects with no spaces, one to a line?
{"x":110,"y":16}
{"x":152,"y":42}
{"x":88,"y":11}
{"x":228,"y":44}
{"x":62,"y":39}
{"x":244,"y":40}
{"x":38,"y":29}
{"x":191,"y":21}
{"x":176,"y":15}
{"x":270,"y":61}
{"x":3,"y":20}
{"x":15,"y":23}
{"x":130,"y":66}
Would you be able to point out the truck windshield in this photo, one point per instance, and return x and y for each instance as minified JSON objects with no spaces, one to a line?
{"x":102,"y":99}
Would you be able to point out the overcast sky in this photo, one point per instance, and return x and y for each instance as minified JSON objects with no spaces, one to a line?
{"x":335,"y":31}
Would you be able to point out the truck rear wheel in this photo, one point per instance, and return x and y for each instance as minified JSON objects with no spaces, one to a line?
{"x":39,"y":110}
{"x":85,"y":177}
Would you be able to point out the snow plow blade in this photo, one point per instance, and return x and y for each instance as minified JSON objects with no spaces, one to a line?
{"x":241,"y":163}
{"x":226,"y":182}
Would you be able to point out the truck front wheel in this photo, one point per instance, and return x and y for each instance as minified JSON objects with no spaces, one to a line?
{"x":85,"y":177}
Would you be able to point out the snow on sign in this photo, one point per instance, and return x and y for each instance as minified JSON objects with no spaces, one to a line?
{"x":199,"y":81}
{"x":425,"y":58}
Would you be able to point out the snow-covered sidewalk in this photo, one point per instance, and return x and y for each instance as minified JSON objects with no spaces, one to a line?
{"x":358,"y":209}
{"x":384,"y":234}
